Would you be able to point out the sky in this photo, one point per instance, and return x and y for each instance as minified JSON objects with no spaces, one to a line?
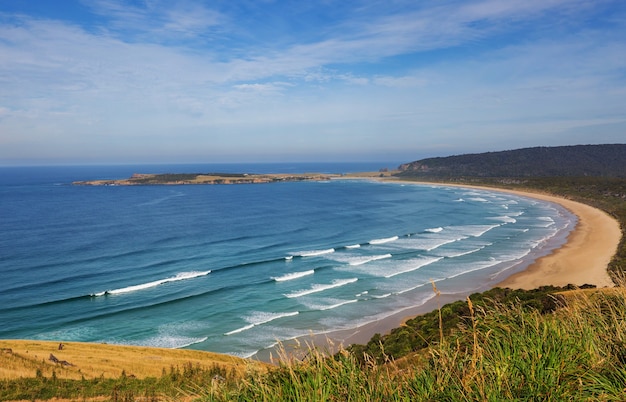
{"x":183,"y":81}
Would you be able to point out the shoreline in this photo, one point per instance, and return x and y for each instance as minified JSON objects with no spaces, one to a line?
{"x":582,"y":259}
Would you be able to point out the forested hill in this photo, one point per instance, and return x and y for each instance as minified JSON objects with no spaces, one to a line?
{"x":607,"y":160}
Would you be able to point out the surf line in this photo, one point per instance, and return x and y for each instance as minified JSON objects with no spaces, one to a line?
{"x":179,"y":277}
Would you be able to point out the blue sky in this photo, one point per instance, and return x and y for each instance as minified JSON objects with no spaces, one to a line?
{"x":140,"y":81}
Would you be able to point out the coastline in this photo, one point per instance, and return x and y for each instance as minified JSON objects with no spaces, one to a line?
{"x":582,"y":259}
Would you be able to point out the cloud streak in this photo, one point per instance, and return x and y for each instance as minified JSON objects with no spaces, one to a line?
{"x":405,"y":77}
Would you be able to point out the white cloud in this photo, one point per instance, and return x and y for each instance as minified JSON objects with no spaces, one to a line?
{"x":157,"y":19}
{"x":65,"y":84}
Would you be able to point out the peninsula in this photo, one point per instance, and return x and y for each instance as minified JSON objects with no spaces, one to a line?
{"x":141,"y":179}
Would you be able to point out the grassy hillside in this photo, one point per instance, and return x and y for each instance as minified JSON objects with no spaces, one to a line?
{"x":42,"y":370}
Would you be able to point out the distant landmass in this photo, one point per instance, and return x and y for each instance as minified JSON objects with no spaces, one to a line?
{"x":141,"y":179}
{"x":607,"y":160}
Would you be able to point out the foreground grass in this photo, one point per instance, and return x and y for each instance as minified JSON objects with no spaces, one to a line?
{"x":499,"y":351}
{"x":506,"y":353}
{"x":88,"y":371}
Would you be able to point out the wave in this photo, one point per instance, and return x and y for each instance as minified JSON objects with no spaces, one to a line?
{"x":478,"y":199}
{"x":434,"y":230}
{"x":320,"y":288}
{"x":384,"y":296}
{"x":236,"y":331}
{"x":328,"y":304}
{"x":366,"y":259}
{"x":477,"y":267}
{"x":260,"y":319}
{"x":462,"y":253}
{"x":384,"y":240}
{"x":412,"y":288}
{"x":473,"y":230}
{"x":411,"y":267}
{"x":193,"y":342}
{"x":353,"y":246}
{"x":293,"y":275}
{"x":313,"y":253}
{"x":505,"y":219}
{"x":179,"y":277}
{"x":549,"y":221}
{"x":332,"y":306}
{"x":428,"y":243}
{"x":165,"y":341}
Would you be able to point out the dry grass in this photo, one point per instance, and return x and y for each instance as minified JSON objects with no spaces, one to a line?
{"x":89,"y":361}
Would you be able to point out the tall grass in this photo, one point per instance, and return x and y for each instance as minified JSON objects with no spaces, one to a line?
{"x":506,"y":352}
{"x":498,"y":352}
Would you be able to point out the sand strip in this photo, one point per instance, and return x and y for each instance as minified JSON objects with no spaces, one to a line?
{"x":582,"y":259}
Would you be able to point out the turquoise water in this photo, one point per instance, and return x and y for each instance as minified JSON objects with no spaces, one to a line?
{"x":235,"y":268}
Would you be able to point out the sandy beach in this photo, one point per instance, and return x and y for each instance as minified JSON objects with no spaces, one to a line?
{"x":583,"y":259}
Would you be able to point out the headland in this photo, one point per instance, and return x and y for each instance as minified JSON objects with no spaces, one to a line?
{"x":173,"y":179}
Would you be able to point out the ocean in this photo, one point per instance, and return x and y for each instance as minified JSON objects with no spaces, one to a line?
{"x":236,"y":268}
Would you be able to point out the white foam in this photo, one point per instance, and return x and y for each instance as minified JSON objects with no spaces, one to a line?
{"x":293,"y":275}
{"x":549,"y":221}
{"x":384,"y":240}
{"x":365,"y":259}
{"x":412,"y":265}
{"x":313,"y":253}
{"x":238,"y":330}
{"x":261,"y":318}
{"x":411,"y":288}
{"x":505,"y":219}
{"x":332,"y":306}
{"x":478,"y":199}
{"x":427,"y":242}
{"x":473,"y":230}
{"x":434,"y":230}
{"x":324,"y":304}
{"x":477,"y":267}
{"x":320,"y":288}
{"x":179,"y":277}
{"x":353,"y":246}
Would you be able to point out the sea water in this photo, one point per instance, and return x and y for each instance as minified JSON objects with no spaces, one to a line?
{"x":235,"y":268}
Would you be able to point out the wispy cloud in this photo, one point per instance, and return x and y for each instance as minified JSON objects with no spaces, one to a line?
{"x":396,"y":73}
{"x":157,"y":20}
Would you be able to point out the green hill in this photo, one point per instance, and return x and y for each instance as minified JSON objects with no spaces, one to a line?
{"x":608,"y":160}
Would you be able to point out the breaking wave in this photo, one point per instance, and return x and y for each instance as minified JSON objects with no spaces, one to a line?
{"x":179,"y":277}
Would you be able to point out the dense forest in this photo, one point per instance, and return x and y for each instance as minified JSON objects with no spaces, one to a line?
{"x":608,"y":160}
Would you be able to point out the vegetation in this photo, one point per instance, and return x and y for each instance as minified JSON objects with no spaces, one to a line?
{"x":505,"y":352}
{"x":176,"y":383}
{"x":581,"y":160}
{"x":427,"y":329}
{"x":572,"y":348}
{"x":547,"y":344}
